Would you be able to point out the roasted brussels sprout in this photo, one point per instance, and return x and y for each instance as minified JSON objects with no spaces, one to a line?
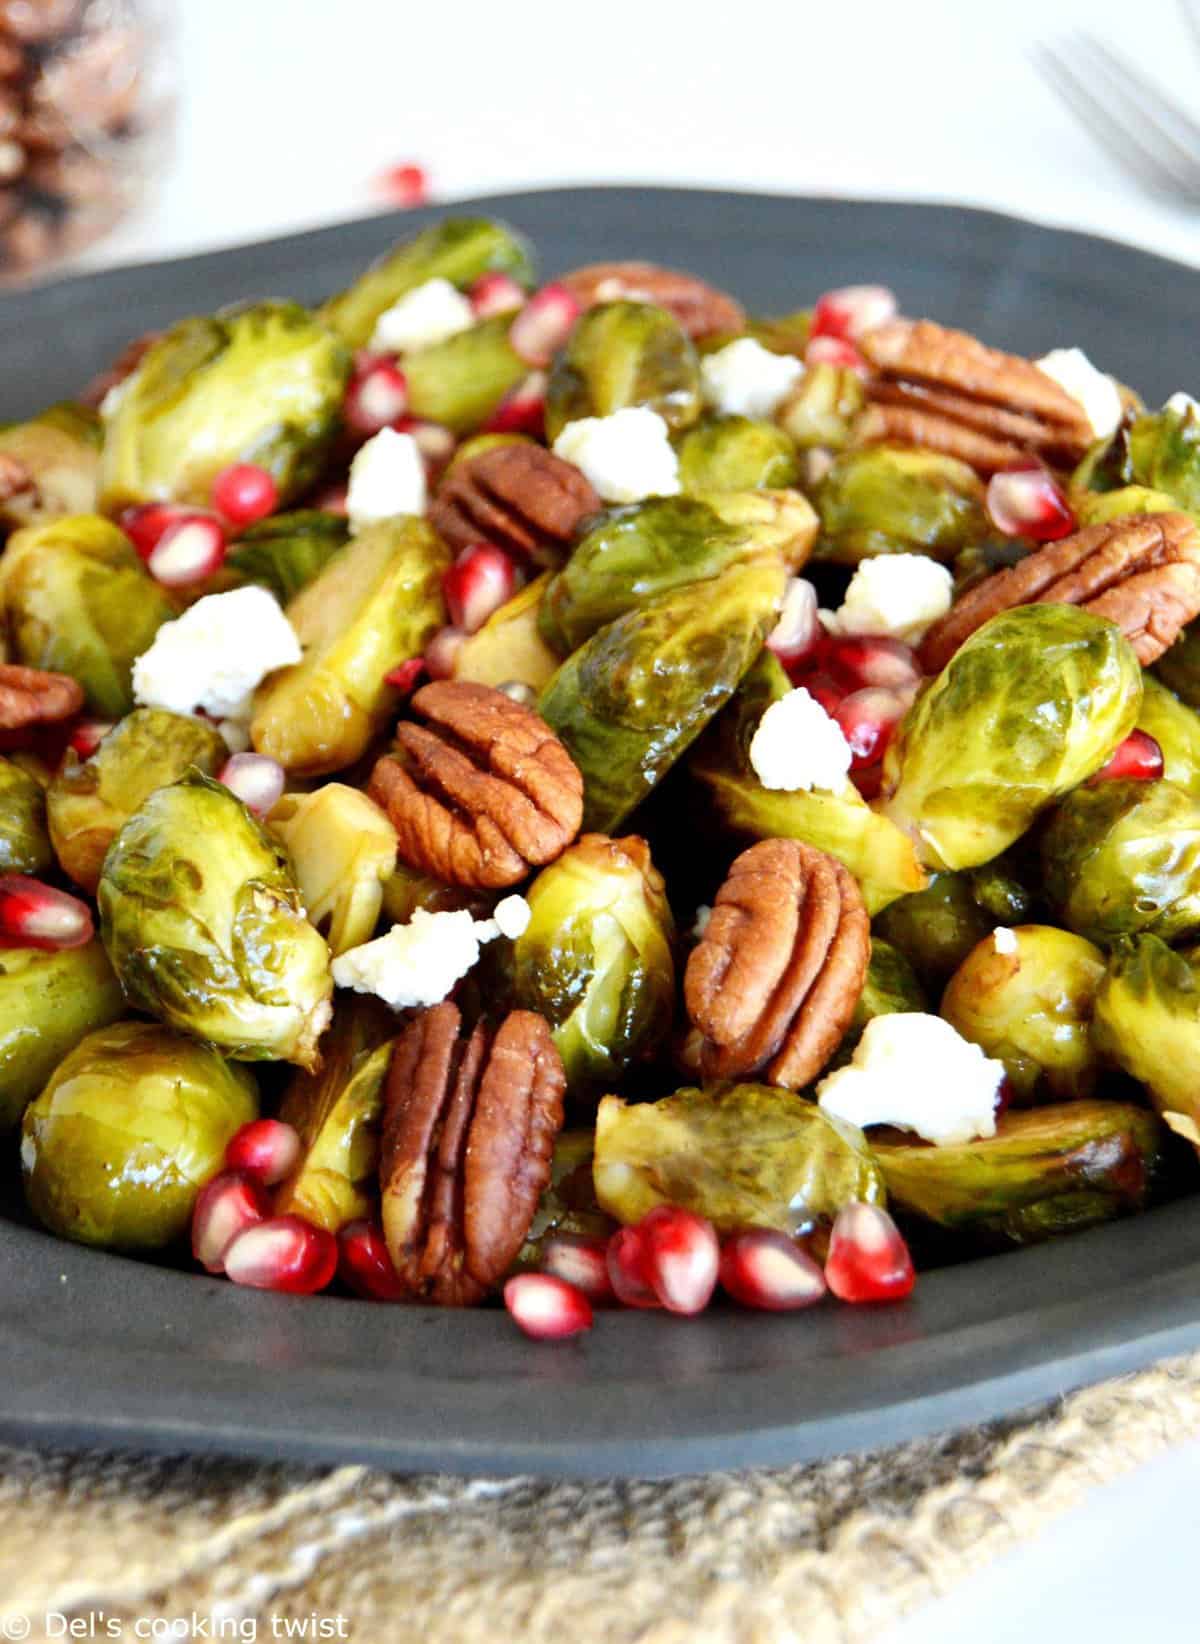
{"x":819,"y":413}
{"x":742,"y":1155}
{"x":936,"y":928}
{"x":24,"y":841}
{"x":1147,"y":1019}
{"x":59,"y":452}
{"x":372,"y":607}
{"x":343,"y":851}
{"x":461,"y":381}
{"x":408,"y":889}
{"x":1164,"y":453}
{"x":735,"y":454}
{"x":204,"y":926}
{"x":48,"y":1002}
{"x":1179,"y":666}
{"x":260,"y":384}
{"x":1098,"y":507}
{"x":890,"y":986}
{"x":1176,"y":729}
{"x":888,"y":500}
{"x":1032,"y":705}
{"x":782,"y":522}
{"x":285,"y":552}
{"x":631,"y":700}
{"x":568,"y":1207}
{"x":1107,"y":464}
{"x":622,"y":354}
{"x":509,"y":648}
{"x":132,"y":1124}
{"x":90,"y":800}
{"x":79,"y":601}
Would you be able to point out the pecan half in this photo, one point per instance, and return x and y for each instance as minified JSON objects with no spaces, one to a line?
{"x":521,"y":497}
{"x":481,"y":791}
{"x":701,"y":309}
{"x":774,"y":981}
{"x":30,"y":697}
{"x":1141,"y":571}
{"x":946,"y":390}
{"x":467,"y":1137}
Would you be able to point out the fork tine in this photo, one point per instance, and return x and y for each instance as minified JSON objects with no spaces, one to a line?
{"x":1151,"y":101}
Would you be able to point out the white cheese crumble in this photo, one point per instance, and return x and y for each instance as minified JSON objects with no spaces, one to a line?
{"x":511,"y":916}
{"x":1182,"y":404}
{"x":700,"y":924}
{"x":1004,"y":940}
{"x":387,"y":477}
{"x":426,"y":315}
{"x":797,"y":745}
{"x":419,"y":963}
{"x":1094,"y":390}
{"x":915,"y":1071}
{"x":212,"y":657}
{"x":898,"y":596}
{"x":626,"y":456}
{"x":744,"y":379}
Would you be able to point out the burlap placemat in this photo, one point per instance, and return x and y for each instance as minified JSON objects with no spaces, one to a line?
{"x":138,"y":1547}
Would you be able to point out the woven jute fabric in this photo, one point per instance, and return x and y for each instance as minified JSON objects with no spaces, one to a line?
{"x":139,"y":1547}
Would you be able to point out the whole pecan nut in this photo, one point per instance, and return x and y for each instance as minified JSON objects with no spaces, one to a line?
{"x":480,"y":790}
{"x":774,"y":981}
{"x":1141,"y":571}
{"x":467,"y":1137}
{"x":28,"y":696}
{"x":519,"y":496}
{"x":701,"y":309}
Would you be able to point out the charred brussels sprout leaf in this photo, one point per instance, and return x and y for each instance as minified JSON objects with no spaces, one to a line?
{"x":622,"y":354}
{"x":24,"y":842}
{"x":936,"y":928}
{"x":1147,"y":1019}
{"x":735,"y":454}
{"x":284,"y":553}
{"x":568,"y":1207}
{"x":48,"y":1002}
{"x":343,"y":851}
{"x":461,"y":381}
{"x":509,"y":648}
{"x":1176,"y":729}
{"x":885,"y":500}
{"x":60,"y":453}
{"x":1164,"y":451}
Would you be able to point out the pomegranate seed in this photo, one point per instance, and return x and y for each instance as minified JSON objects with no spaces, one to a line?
{"x":266,"y":1150}
{"x":544,"y":324}
{"x":581,"y":1262}
{"x":257,"y":781}
{"x":626,"y":1259}
{"x":481,"y":580}
{"x":798,"y":633}
{"x":1026,"y":502}
{"x":1138,"y":759}
{"x":34,"y":915}
{"x":406,"y":677}
{"x":835,"y":351}
{"x":244,"y":492}
{"x":442,"y":652}
{"x":523,"y":411}
{"x":364,"y":1264}
{"x":376,"y":396}
{"x":88,"y":734}
{"x":547,"y":1308}
{"x":681,"y":1257}
{"x":283,"y":1253}
{"x":868,"y":720}
{"x":496,"y":293}
{"x":1004,"y":1096}
{"x":227,"y":1205}
{"x":868,"y":781}
{"x":764,"y":1268}
{"x":873,"y":661}
{"x":825,"y":689}
{"x":851,"y":310}
{"x":189,"y":550}
{"x":435,"y":442}
{"x":868,"y":1260}
{"x":144,"y":525}
{"x":404,"y":185}
{"x":331,"y":500}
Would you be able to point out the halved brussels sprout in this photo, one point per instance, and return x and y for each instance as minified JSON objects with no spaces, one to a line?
{"x":132,"y":1124}
{"x":408,"y":889}
{"x":1107,"y":465}
{"x":1176,"y":729}
{"x":371,"y":608}
{"x":60,"y":452}
{"x":1098,"y":507}
{"x":509,"y":648}
{"x":24,"y":841}
{"x":890,"y":986}
{"x":285,"y":552}
{"x":1147,"y":1019}
{"x":204,"y":925}
{"x":568,"y":1208}
{"x":735,"y":454}
{"x":461,"y":381}
{"x":936,"y":928}
{"x":260,"y":384}
{"x":1032,"y":704}
{"x":819,"y":413}
{"x":90,"y":800}
{"x":782,"y":522}
{"x":622,"y":354}
{"x":343,"y":851}
{"x":781,"y":333}
{"x":891,"y":500}
{"x":48,"y":1002}
{"x":1164,"y":452}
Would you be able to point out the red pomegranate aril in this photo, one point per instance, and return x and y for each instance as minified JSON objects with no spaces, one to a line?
{"x":364,"y":1264}
{"x":481,"y":580}
{"x":257,"y":780}
{"x":852,"y":310}
{"x":265,"y":1150}
{"x":406,"y":677}
{"x":868,"y":720}
{"x":523,"y":411}
{"x":581,"y":1262}
{"x":283,"y":1253}
{"x":797,"y":635}
{"x":835,"y":351}
{"x":376,"y":396}
{"x":868,"y":1259}
{"x":144,"y":525}
{"x":227,"y":1205}
{"x":547,"y":1308}
{"x":1138,"y":759}
{"x":764,"y":1268}
{"x":188,"y":551}
{"x":331,"y":499}
{"x":434,"y":441}
{"x":88,"y":734}
{"x":496,"y":293}
{"x":862,"y":661}
{"x":681,"y":1257}
{"x":244,"y":493}
{"x":404,"y":185}
{"x":34,"y":915}
{"x":544,"y":324}
{"x":1026,"y":502}
{"x":1004,"y":1096}
{"x":868,"y":781}
{"x":626,"y":1258}
{"x":824,"y":688}
{"x":442,"y":652}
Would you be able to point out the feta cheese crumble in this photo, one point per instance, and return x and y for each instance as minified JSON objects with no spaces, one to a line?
{"x":419,"y":963}
{"x":626,"y":456}
{"x":700,"y":924}
{"x":897,"y":596}
{"x":915,"y":1071}
{"x":745,"y":379}
{"x":1004,"y":940}
{"x":1094,"y":390}
{"x":426,"y":315}
{"x":387,"y":477}
{"x":797,"y":745}
{"x":214,"y":655}
{"x":511,"y":916}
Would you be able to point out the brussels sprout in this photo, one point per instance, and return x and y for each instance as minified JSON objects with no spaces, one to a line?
{"x":876,"y":852}
{"x":260,"y":384}
{"x":980,"y":560}
{"x":1031,"y":1009}
{"x":60,"y":452}
{"x":781,"y":333}
{"x":1176,"y":729}
{"x":735,"y":454}
{"x":891,"y":986}
{"x":887,"y":500}
{"x":24,"y":842}
{"x":407,"y":889}
{"x":1098,"y":507}
{"x":1164,"y":453}
{"x":1047,"y":1170}
{"x":631,"y":700}
{"x":1147,"y":1019}
{"x":568,"y":1207}
{"x":1107,"y":465}
{"x":936,"y":928}
{"x":79,"y":601}
{"x":48,"y":1001}
{"x":204,"y":926}
{"x":461,"y":381}
{"x":371,"y":608}
{"x":1179,"y":667}
{"x":783,"y":522}
{"x":132,"y":1124}
{"x":819,"y":413}
{"x":285,"y":552}
{"x":343,"y":850}
{"x":1032,"y":704}
{"x":742,"y":1155}
{"x":623,"y":354}
{"x":509,"y":648}
{"x":90,"y":800}
{"x":458,"y":249}
{"x":596,"y":959}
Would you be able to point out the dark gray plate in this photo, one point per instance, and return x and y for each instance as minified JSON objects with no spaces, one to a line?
{"x":99,"y":1350}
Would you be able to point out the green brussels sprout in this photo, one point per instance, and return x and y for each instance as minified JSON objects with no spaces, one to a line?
{"x":1107,"y":465}
{"x":343,"y":851}
{"x":407,"y":889}
{"x":890,"y":500}
{"x":742,"y":1155}
{"x":24,"y":841}
{"x":131,"y":1126}
{"x":783,"y":522}
{"x":509,"y":648}
{"x":1147,"y":1021}
{"x":461,"y":381}
{"x":203,"y":923}
{"x":1176,"y":729}
{"x":1031,"y":1009}
{"x":819,"y":413}
{"x":60,"y":453}
{"x":48,"y":1002}
{"x":936,"y":928}
{"x":735,"y":454}
{"x":79,"y":601}
{"x":622,"y":354}
{"x":1164,"y":453}
{"x":780,"y":333}
{"x":629,"y":702}
{"x":980,"y":560}
{"x":1123,"y":859}
{"x":1098,"y":507}
{"x":372,"y":607}
{"x":596,"y":959}
{"x":568,"y":1206}
{"x":1032,"y":704}
{"x":286,"y":551}
{"x":260,"y":384}
{"x":890,"y":986}
{"x":1179,"y":666}
{"x":875,"y":851}
{"x":458,"y":249}
{"x":90,"y":800}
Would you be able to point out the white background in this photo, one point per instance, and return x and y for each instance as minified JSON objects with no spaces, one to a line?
{"x":291,"y":107}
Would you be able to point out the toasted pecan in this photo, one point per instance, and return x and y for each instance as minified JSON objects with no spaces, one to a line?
{"x":519,"y":496}
{"x":700,"y":308}
{"x":29,"y":696}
